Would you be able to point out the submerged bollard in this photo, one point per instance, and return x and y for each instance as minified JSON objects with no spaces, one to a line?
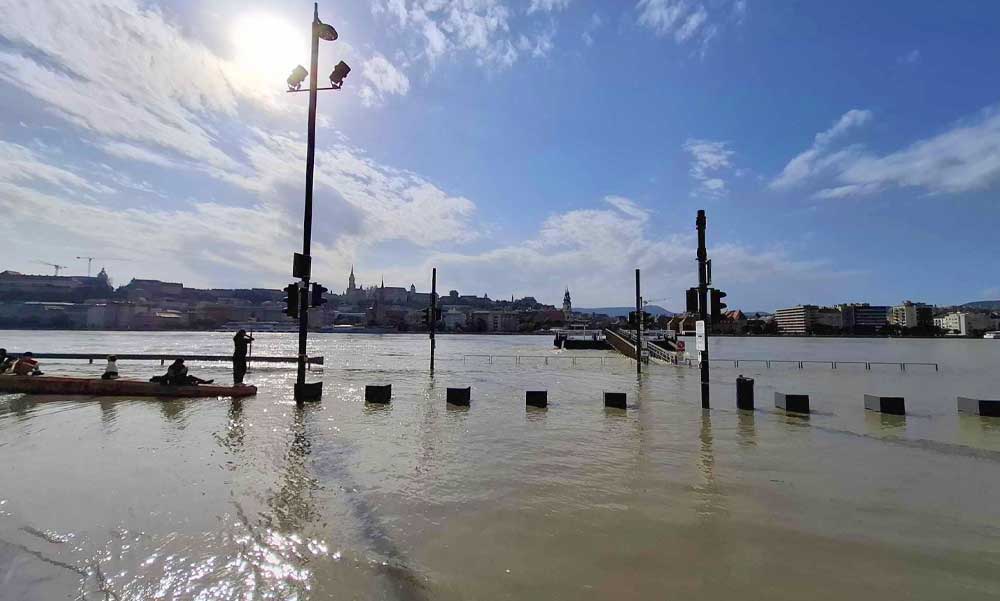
{"x":982,"y":407}
{"x":459,"y":396}
{"x":744,"y":393}
{"x":796,"y":403}
{"x":615,"y":400}
{"x":894,"y":405}
{"x":536,"y":398}
{"x":376,"y":393}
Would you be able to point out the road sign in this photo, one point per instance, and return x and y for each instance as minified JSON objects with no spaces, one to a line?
{"x":699,"y":333}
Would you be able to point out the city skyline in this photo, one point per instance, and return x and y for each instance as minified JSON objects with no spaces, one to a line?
{"x":842,"y":153}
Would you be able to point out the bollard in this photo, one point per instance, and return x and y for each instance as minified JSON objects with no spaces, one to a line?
{"x":979,"y":407}
{"x":460,"y":396}
{"x":536,"y":398}
{"x":894,"y":405}
{"x":796,"y":403}
{"x":744,"y":393}
{"x":381,"y":394}
{"x":615,"y":400}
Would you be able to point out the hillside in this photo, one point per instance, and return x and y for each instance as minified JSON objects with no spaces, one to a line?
{"x":987,"y":305}
{"x":624,"y":311}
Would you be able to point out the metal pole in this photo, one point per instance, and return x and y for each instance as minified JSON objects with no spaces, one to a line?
{"x":307,"y":218}
{"x":703,"y":304}
{"x":433,"y":324}
{"x":638,"y":327}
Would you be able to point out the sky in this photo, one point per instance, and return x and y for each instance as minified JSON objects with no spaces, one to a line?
{"x":843,"y":151}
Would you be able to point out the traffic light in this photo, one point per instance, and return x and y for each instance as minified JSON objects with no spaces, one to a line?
{"x":427,"y":316}
{"x":692,"y":300}
{"x":292,"y":299}
{"x":318,"y":290}
{"x":717,"y":304}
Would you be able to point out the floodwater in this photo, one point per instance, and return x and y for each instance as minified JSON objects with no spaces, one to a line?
{"x":219,"y":499}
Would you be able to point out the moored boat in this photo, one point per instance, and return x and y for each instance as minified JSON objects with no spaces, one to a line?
{"x":98,"y":387}
{"x":992,"y":335}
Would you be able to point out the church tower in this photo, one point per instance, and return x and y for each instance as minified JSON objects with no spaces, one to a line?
{"x":350,"y":281}
{"x":567,"y":306}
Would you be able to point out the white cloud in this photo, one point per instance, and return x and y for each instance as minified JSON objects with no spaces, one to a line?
{"x":383,"y":78}
{"x":595,"y":23}
{"x":595,"y":251}
{"x":547,"y":5}
{"x":964,"y":158}
{"x":484,"y":28}
{"x":709,"y":159}
{"x":910,"y":58}
{"x":688,"y":21}
{"x":814,"y":160}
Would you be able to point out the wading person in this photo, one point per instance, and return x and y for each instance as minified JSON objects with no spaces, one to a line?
{"x":241,"y":342}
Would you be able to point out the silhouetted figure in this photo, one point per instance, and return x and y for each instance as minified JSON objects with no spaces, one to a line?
{"x":5,"y":362}
{"x":241,"y":343}
{"x":111,"y":371}
{"x":177,"y":375}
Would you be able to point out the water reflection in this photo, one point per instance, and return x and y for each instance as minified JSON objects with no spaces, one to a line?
{"x":746,"y":428}
{"x":879,"y":423}
{"x":710,"y":499}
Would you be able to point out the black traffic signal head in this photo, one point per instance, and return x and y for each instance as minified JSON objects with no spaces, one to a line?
{"x":338,"y":75}
{"x":318,"y":290}
{"x":692,"y":300}
{"x":717,"y":304}
{"x":292,"y":300}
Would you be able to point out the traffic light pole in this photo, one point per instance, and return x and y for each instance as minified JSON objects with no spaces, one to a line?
{"x":703,"y":305}
{"x":300,"y":379}
{"x":638,"y":325}
{"x":433,"y":316}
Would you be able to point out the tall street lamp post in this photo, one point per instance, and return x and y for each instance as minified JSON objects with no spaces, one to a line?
{"x":303,"y":262}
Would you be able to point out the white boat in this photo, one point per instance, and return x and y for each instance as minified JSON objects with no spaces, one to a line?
{"x":992,"y":335}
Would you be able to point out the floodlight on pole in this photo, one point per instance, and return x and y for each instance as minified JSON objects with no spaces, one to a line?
{"x":339,"y":74}
{"x":298,"y":76}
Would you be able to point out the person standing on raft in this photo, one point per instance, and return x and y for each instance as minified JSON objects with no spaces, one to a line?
{"x":241,"y":342}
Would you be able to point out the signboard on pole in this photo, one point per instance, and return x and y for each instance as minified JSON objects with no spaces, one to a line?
{"x":699,"y":333}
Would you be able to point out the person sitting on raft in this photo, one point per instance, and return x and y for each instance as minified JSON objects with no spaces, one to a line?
{"x":177,"y":375}
{"x":5,"y":362}
{"x":111,"y":371}
{"x":27,"y":365}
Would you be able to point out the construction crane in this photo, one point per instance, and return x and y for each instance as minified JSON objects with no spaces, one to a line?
{"x":90,"y":262}
{"x":53,"y":265}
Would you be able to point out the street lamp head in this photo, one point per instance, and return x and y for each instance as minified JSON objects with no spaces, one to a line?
{"x":325,"y":32}
{"x":339,"y":73}
{"x":298,"y":75}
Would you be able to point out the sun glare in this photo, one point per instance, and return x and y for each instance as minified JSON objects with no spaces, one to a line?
{"x":267,"y":48}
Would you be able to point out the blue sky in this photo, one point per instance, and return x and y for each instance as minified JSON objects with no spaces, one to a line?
{"x":845,"y":151}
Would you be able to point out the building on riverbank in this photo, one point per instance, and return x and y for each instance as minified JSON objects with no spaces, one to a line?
{"x":862,"y":318}
{"x":911,"y":315}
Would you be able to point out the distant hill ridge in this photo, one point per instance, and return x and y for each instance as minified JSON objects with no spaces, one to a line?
{"x":624,"y":311}
{"x":986,"y":305}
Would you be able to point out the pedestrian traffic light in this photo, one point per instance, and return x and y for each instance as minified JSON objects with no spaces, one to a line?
{"x":318,"y":290}
{"x":292,"y":300}
{"x":717,"y":304}
{"x":692,"y":300}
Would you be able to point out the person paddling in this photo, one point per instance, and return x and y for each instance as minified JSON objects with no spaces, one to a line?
{"x":241,"y":342}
